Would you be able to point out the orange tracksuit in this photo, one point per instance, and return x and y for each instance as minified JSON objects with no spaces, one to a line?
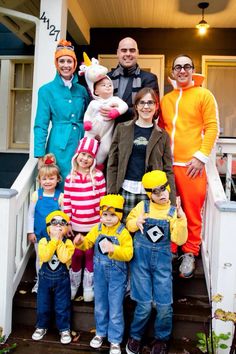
{"x":190,"y":116}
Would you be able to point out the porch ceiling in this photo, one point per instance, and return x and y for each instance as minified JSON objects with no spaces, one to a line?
{"x":86,"y":14}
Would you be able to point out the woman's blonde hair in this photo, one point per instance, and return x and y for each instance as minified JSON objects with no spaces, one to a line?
{"x":139,"y":95}
{"x":49,"y":167}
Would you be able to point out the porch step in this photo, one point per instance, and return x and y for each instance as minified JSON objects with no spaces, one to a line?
{"x":80,"y":344}
{"x":191,"y":313}
{"x":193,"y":287}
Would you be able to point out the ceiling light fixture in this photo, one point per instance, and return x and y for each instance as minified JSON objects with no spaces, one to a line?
{"x":202,"y":26}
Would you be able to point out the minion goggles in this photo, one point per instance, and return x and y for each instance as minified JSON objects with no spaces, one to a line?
{"x":157,"y":190}
{"x":55,"y":222}
{"x":111,"y":209}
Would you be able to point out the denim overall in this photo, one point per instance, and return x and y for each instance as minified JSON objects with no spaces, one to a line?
{"x":54,"y":293}
{"x":43,"y":207}
{"x":110,"y":280}
{"x":151,"y":277}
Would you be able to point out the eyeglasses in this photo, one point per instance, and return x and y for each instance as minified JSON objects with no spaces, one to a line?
{"x":55,"y":222}
{"x":110,"y":209}
{"x":150,"y":103}
{"x":158,"y":190}
{"x":186,"y":67}
{"x":69,"y":47}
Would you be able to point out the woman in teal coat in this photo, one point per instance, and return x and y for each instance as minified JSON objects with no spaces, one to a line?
{"x":62,"y":102}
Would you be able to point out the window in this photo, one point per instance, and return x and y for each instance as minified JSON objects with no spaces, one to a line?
{"x":16,"y":81}
{"x":220,"y":73}
{"x":21,"y":99}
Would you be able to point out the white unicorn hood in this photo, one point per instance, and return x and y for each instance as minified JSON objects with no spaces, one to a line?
{"x":93,"y":72}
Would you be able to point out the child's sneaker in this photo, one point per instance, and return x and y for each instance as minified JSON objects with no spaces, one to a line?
{"x":39,"y":333}
{"x":115,"y":348}
{"x":96,"y":342}
{"x":35,"y":287}
{"x":187,"y":265}
{"x":65,"y":337}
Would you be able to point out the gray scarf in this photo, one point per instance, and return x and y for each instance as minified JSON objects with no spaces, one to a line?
{"x":132,"y":73}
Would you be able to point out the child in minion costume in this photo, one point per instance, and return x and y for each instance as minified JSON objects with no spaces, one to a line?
{"x":113,"y":247}
{"x":55,"y":253}
{"x":155,"y":223}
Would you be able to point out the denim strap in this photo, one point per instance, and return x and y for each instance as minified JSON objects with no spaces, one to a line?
{"x":171,"y":211}
{"x":146,"y":206}
{"x":120,"y":229}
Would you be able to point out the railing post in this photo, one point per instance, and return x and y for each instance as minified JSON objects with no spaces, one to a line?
{"x":223,"y":266}
{"x":7,"y":254}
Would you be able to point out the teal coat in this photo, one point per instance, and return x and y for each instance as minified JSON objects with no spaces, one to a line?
{"x":65,"y":109}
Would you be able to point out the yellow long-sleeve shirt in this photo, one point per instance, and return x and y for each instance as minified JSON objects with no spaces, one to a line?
{"x":122,"y":252}
{"x":178,"y":226}
{"x":47,"y":249}
{"x":190,"y":116}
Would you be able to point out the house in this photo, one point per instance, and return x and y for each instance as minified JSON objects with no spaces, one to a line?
{"x":29,"y":33}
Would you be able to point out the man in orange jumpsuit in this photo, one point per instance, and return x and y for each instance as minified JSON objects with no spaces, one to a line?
{"x":190,"y":116}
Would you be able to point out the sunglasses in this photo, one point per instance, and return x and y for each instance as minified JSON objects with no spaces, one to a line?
{"x":158,"y":190}
{"x":110,"y":209}
{"x":55,"y":222}
{"x":69,"y":47}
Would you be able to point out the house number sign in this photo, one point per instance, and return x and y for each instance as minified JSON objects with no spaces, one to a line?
{"x":50,"y":27}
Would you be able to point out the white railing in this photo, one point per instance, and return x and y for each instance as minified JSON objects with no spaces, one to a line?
{"x":226,"y":152}
{"x":14,"y":250}
{"x":219,"y":242}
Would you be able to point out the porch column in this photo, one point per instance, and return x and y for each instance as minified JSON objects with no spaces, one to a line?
{"x":51,"y":28}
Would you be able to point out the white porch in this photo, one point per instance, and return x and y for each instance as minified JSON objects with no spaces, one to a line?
{"x":218,"y":246}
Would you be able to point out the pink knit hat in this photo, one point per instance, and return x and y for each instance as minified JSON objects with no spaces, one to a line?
{"x":88,"y":145}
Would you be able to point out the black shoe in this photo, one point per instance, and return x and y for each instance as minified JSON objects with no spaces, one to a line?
{"x":159,"y":347}
{"x":132,"y":346}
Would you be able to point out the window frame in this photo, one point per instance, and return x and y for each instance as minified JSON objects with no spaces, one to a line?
{"x":219,"y":61}
{"x":7,"y":113}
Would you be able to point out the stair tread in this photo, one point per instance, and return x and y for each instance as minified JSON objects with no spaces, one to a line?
{"x":51,"y":344}
{"x":191,"y":311}
{"x":192,"y":305}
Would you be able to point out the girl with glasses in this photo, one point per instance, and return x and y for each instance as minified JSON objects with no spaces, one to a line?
{"x":138,"y":146}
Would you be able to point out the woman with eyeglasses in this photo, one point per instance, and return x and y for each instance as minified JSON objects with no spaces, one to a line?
{"x":61,"y":102}
{"x":139,"y":146}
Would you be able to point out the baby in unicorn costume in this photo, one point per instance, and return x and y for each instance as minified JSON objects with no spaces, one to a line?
{"x":101,"y":89}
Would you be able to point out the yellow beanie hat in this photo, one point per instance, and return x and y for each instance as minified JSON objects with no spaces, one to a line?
{"x":65,"y":47}
{"x":55,"y":213}
{"x":153,"y":179}
{"x":113,"y":203}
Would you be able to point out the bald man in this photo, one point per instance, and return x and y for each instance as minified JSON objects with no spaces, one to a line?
{"x":128,"y":78}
